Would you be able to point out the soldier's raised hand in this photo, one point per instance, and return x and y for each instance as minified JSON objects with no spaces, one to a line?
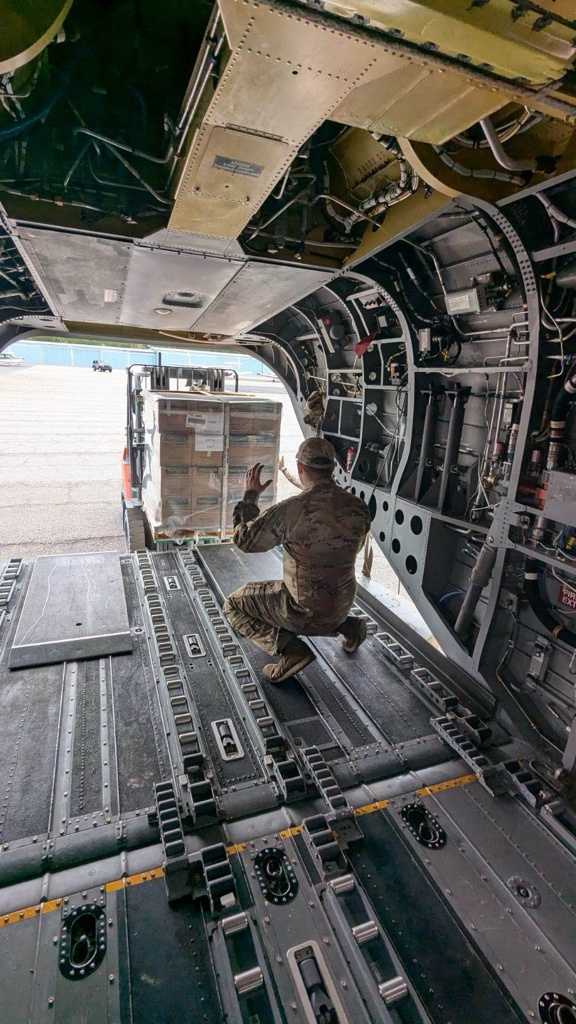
{"x":253,"y":481}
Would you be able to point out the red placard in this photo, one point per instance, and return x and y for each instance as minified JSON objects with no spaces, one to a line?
{"x":567,"y":596}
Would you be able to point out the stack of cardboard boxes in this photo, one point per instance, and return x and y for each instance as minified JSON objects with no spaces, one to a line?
{"x":197,"y":450}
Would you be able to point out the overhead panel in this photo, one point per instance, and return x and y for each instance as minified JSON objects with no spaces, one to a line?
{"x":210,"y":245}
{"x":84,"y":275}
{"x":290,"y":68}
{"x":527,"y":45}
{"x":287,"y":72}
{"x":169,"y":290}
{"x":416,"y":101}
{"x":257,"y":292}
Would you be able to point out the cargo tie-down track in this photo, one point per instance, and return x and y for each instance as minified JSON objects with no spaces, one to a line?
{"x":185,"y":841}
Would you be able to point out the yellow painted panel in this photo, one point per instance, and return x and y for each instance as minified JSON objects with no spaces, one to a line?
{"x":399,"y":219}
{"x":417,"y":102}
{"x":27,"y":30}
{"x":226,"y":181}
{"x":487,"y":35}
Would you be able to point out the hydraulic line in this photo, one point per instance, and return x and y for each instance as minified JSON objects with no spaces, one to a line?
{"x":500,"y":154}
{"x":428,"y":435}
{"x":459,"y":398}
{"x":558,"y":417}
{"x":505,"y":131}
{"x":554,"y":212}
{"x":479,"y":578}
{"x":475,"y":172}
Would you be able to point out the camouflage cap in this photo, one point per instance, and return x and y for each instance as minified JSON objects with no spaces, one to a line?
{"x":316,"y":453}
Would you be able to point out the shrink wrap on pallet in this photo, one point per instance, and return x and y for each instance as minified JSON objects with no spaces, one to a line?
{"x":196,"y":454}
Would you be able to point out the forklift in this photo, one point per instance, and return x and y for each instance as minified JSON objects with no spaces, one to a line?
{"x":139,"y":532}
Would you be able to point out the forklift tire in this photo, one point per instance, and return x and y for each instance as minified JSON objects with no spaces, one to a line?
{"x":134,"y":529}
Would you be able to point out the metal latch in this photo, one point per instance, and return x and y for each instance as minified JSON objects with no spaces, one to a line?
{"x":227,"y":739}
{"x":193,"y":646}
{"x":538,"y":663}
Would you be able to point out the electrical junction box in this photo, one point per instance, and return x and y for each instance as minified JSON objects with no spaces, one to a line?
{"x":559,"y":504}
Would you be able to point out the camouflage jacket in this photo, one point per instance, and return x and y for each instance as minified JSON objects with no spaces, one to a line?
{"x":322,"y":529}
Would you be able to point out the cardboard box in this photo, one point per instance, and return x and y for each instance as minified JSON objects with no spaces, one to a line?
{"x":181,"y":516}
{"x":169,"y":481}
{"x":171,"y":448}
{"x":189,"y":442}
{"x":237,"y":478}
{"x":207,"y":450}
{"x":246,"y":449}
{"x":165,"y":410}
{"x":255,"y":418}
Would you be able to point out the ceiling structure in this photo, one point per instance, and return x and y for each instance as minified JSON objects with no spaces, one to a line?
{"x":377,"y":200}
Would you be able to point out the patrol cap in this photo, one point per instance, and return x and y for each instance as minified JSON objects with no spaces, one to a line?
{"x":316,"y":453}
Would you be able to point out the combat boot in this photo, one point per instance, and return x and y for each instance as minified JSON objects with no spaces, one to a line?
{"x":295,"y":656}
{"x":354,"y":629}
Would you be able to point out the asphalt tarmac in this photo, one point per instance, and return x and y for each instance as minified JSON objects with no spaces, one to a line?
{"x":62,"y":432}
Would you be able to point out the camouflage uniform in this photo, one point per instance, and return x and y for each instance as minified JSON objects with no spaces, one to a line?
{"x":322,"y":529}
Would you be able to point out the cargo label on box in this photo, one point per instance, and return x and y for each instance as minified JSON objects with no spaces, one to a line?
{"x":172,"y":438}
{"x":209,"y":443}
{"x":206,"y":422}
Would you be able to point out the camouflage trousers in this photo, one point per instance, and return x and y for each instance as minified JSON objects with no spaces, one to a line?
{"x":267,"y":615}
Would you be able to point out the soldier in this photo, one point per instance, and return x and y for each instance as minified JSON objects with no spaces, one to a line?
{"x":322,"y":529}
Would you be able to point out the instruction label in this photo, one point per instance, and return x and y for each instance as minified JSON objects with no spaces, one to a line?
{"x":234,"y":166}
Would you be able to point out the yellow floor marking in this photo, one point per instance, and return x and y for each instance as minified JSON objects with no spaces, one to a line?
{"x":148,"y":876}
{"x":238,"y":848}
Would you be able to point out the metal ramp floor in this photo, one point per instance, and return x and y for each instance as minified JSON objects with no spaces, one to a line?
{"x":181,"y":841}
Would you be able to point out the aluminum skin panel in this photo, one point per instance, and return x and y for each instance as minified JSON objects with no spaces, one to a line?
{"x":258,"y":291}
{"x":161,"y":279}
{"x":83,"y":274}
{"x":75,"y":608}
{"x":485,"y":33}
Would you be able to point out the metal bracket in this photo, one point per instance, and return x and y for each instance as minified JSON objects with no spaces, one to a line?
{"x":541,"y":653}
{"x":486,"y":772}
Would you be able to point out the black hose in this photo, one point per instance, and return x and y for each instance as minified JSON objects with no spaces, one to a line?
{"x":479,"y":578}
{"x":560,"y":408}
{"x":540,"y":609}
{"x":563,"y":399}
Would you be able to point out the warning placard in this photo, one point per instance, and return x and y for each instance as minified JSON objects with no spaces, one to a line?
{"x":567,"y":596}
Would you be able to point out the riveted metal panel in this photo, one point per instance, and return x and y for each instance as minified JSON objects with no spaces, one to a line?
{"x":484,"y":33}
{"x":84,"y":274}
{"x":284,"y":53}
{"x":256,"y":293}
{"x":305,"y":66}
{"x":155,"y":273}
{"x":417,"y":101}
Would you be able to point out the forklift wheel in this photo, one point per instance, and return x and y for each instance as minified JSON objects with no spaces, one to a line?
{"x":134,"y":529}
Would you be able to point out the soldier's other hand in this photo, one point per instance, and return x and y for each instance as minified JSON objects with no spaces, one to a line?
{"x":253,"y":481}
{"x":281,"y":464}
